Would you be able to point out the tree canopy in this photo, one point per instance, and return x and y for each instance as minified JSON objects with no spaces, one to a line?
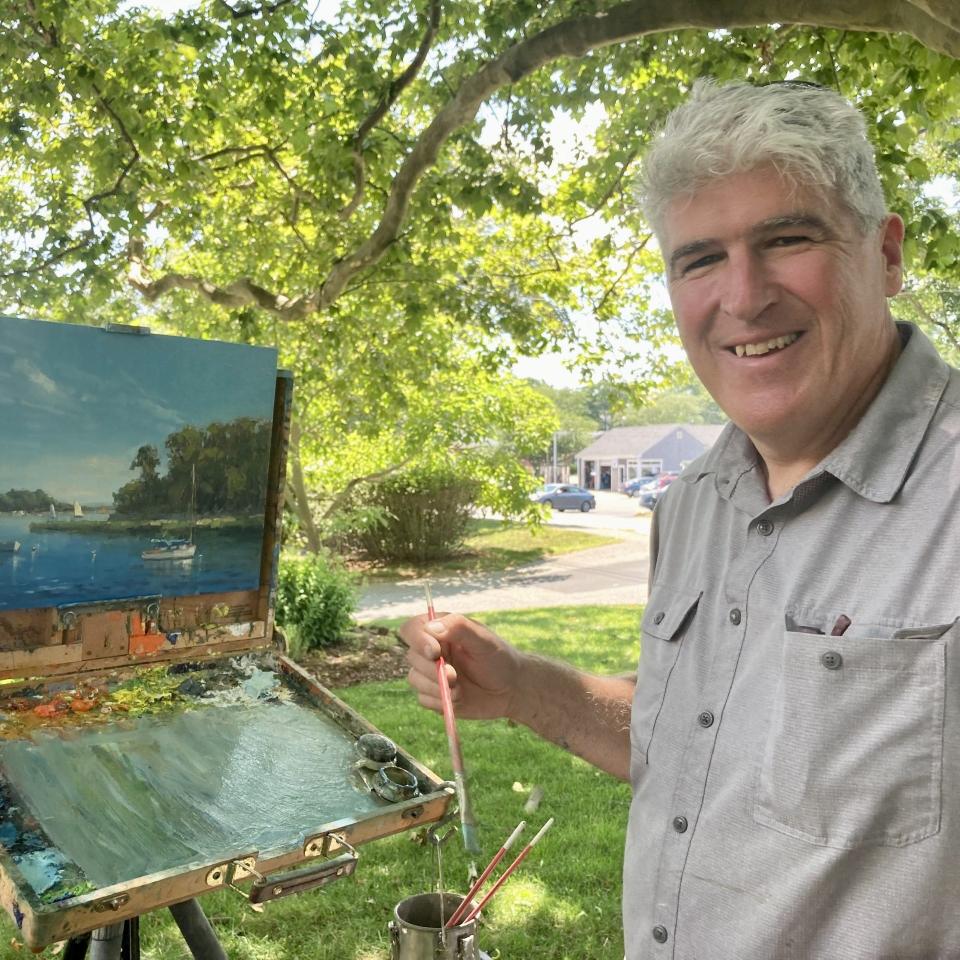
{"x":385,"y":194}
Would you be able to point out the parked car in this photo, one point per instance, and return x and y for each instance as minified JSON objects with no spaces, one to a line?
{"x":565,"y":496}
{"x":641,"y":485}
{"x":635,"y":487}
{"x":649,"y":498}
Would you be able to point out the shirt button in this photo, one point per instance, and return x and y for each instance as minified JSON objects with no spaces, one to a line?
{"x":735,"y":616}
{"x":659,"y":617}
{"x":764,"y":528}
{"x":705,"y":719}
{"x":832,"y":660}
{"x":660,"y":933}
{"x":680,"y":824}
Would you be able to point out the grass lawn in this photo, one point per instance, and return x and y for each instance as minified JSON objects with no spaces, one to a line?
{"x":494,"y":545}
{"x":563,"y":904}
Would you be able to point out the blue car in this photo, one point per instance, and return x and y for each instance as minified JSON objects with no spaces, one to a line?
{"x":639,"y":486}
{"x":565,"y":496}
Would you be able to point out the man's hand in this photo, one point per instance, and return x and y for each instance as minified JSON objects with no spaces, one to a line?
{"x":483,"y":670}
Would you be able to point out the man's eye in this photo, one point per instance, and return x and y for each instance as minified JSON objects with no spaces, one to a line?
{"x":704,"y":261}
{"x":789,"y":241}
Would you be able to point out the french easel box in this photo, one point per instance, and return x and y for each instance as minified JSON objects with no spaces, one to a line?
{"x":156,"y":743}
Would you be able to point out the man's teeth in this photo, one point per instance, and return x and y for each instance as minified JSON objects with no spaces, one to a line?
{"x":756,"y":349}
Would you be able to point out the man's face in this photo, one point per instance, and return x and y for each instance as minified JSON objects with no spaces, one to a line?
{"x":780,"y":301}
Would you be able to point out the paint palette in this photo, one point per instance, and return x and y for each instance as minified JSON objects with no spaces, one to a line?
{"x":155,"y":742}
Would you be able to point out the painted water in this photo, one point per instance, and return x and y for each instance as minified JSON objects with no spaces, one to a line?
{"x":102,"y":432}
{"x":255,"y":770}
{"x":53,"y":568}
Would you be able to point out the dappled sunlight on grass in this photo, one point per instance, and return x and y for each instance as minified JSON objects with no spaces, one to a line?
{"x":516,"y":899}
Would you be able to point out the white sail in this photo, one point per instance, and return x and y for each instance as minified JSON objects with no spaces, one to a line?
{"x":77,"y":509}
{"x":53,"y":512}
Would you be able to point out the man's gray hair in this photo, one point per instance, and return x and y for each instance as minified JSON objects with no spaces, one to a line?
{"x":809,"y":133}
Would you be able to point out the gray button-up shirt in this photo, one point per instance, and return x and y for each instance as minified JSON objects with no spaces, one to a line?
{"x":796,"y":794}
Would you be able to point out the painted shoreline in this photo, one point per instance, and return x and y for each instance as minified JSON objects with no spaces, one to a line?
{"x":122,"y":527}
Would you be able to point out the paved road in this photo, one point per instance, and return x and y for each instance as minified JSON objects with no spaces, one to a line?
{"x":612,"y":574}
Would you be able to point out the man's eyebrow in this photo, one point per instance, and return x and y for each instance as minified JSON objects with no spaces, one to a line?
{"x":807,"y":221}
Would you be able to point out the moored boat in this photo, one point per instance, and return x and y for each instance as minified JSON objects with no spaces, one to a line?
{"x":170,"y":550}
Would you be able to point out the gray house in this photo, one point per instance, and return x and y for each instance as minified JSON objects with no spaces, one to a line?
{"x":626,"y":453}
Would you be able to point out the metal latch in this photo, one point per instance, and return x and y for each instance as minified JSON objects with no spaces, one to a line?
{"x":114,"y":903}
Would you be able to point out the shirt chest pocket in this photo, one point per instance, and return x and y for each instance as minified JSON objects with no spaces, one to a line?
{"x":666,"y":621}
{"x":854,"y":746}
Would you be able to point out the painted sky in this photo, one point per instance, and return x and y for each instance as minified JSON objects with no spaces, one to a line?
{"x":77,"y":402}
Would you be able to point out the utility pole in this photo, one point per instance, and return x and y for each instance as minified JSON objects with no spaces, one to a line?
{"x":554,"y":477}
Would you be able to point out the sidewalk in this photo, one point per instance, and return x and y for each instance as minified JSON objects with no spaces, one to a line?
{"x":607,"y":575}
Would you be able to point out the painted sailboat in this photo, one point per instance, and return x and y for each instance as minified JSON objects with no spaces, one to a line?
{"x":53,"y":512}
{"x":176,"y":549}
{"x":9,"y":546}
{"x":77,"y":510}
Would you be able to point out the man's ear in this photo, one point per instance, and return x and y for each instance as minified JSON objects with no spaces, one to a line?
{"x":891,"y":247}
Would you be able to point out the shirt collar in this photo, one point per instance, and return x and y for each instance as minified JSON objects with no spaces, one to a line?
{"x":875,"y":457}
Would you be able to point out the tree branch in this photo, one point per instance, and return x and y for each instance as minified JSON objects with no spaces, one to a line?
{"x":572,"y":38}
{"x":934,"y":320}
{"x":341,"y":497}
{"x":386,"y":101}
{"x":127,"y":167}
{"x":634,"y":253}
{"x":53,"y":259}
{"x":609,"y":192}
{"x":239,"y":14}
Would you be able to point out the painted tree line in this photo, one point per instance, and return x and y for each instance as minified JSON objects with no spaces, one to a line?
{"x":216,"y":470}
{"x":389,"y":195}
{"x":30,"y":501}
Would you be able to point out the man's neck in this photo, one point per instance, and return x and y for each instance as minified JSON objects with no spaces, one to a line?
{"x":788,"y":458}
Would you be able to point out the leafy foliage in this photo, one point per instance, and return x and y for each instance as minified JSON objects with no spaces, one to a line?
{"x":255,"y":173}
{"x":417,"y":516}
{"x":317,"y":596}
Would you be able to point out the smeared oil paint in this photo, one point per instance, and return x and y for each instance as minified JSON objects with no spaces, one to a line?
{"x":42,"y":869}
{"x":167,"y":790}
{"x":261,"y":684}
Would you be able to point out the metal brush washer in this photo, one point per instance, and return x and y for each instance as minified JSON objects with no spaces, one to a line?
{"x":393,"y":783}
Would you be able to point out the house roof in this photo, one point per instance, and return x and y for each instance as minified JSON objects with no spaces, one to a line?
{"x":634,"y":441}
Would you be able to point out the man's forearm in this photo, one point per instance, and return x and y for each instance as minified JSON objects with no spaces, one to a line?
{"x":585,"y":714}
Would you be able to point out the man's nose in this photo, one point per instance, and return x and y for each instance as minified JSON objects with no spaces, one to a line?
{"x":747,"y":286}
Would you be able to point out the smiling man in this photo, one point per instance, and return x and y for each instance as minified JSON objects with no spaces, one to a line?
{"x":792,"y":731}
{"x":779,"y":297}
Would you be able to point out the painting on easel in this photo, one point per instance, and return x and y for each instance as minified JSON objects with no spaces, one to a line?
{"x":132,"y":465}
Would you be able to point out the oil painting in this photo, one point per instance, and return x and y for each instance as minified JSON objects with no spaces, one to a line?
{"x":133,"y":465}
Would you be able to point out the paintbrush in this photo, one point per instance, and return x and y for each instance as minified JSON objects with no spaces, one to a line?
{"x":468,"y":826}
{"x":497,"y":857}
{"x":472,"y":915}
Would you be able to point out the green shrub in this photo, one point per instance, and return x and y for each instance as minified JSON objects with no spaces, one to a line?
{"x":416,"y":516}
{"x":317,"y":596}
